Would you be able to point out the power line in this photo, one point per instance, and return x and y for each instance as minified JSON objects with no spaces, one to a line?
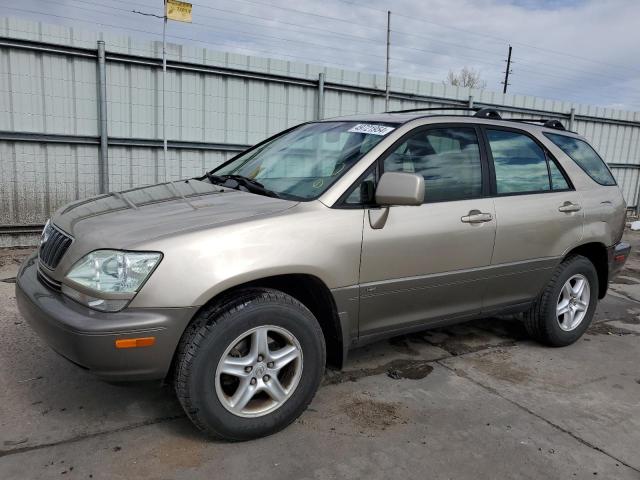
{"x":244,"y":32}
{"x":404,"y":47}
{"x":302,"y":12}
{"x":305,"y":28}
{"x":364,"y":39}
{"x":405,"y":60}
{"x":431,"y":39}
{"x":537,"y":63}
{"x":217,"y":46}
{"x":498,"y":39}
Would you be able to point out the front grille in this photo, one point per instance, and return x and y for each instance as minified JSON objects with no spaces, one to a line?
{"x":49,"y":282}
{"x":53,"y":247}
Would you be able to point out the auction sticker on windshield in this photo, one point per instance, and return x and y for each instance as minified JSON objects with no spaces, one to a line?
{"x":371,"y":129}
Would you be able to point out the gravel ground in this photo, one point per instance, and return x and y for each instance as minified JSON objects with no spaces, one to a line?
{"x":477,"y":400}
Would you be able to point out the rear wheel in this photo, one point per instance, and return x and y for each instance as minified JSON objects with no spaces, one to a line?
{"x":251,"y":365}
{"x":565,"y":309}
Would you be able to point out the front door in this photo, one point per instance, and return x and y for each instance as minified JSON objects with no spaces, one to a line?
{"x":427,"y":262}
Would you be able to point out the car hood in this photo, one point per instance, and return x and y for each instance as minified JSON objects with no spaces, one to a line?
{"x":125,"y":219}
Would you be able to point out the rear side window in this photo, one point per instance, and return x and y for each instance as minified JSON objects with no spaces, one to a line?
{"x":520,"y":164}
{"x":447,"y":158}
{"x":558,"y":182}
{"x":585,"y":156}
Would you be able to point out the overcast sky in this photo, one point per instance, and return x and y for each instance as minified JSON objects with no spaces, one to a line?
{"x":578,"y":50}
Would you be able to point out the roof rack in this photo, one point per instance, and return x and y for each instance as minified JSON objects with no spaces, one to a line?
{"x":490,"y":113}
{"x":555,"y":124}
{"x":429,"y":109}
{"x":480,"y":112}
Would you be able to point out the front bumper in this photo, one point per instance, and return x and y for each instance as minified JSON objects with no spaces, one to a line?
{"x":87,"y":337}
{"x":617,"y":256}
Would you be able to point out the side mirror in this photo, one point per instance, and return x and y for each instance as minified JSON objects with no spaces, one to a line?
{"x":397,"y":188}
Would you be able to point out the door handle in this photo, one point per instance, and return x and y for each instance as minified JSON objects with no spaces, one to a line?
{"x":476,"y":216}
{"x":568,"y":207}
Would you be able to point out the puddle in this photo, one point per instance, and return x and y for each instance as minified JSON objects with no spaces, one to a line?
{"x":410,"y":370}
{"x":397,"y":369}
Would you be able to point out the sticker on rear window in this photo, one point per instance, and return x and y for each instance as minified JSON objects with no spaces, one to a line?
{"x":371,"y":129}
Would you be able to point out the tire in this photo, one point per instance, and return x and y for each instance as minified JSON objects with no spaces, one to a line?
{"x":225,"y":337}
{"x":543,"y":322}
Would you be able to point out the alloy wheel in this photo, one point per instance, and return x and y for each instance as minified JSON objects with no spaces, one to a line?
{"x":259,"y":371}
{"x":573,"y":302}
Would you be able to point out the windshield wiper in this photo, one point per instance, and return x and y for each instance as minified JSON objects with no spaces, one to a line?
{"x":239,"y":182}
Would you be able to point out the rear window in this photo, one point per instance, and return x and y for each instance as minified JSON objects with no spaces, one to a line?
{"x":585,"y":156}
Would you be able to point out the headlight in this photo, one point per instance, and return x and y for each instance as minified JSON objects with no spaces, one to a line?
{"x":108,"y":279}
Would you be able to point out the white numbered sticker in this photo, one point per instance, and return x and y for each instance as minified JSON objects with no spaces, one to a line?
{"x":371,"y":129}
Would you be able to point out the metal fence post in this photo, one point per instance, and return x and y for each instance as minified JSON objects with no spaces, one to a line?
{"x":320,"y":113}
{"x":470,"y":101}
{"x":572,"y":118}
{"x":103,"y":155}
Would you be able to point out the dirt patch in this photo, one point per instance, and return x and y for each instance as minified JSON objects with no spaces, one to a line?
{"x":374,"y":414}
{"x":411,"y":369}
{"x":498,"y":364}
{"x":13,"y":256}
{"x":602,"y":328}
{"x":631,"y":319}
{"x":625,"y":280}
{"x":401,"y":345}
{"x":473,"y":336}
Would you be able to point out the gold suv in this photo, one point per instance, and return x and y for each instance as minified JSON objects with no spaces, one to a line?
{"x":240,"y":285}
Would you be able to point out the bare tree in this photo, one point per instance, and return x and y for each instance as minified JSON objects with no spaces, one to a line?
{"x":467,"y":77}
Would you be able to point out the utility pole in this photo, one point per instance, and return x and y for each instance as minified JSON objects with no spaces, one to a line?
{"x":507,"y":72}
{"x":164,"y":74}
{"x":164,"y":88}
{"x":386,"y":83}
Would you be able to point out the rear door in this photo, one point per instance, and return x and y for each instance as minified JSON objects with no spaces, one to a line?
{"x":539,"y":216}
{"x":426,"y":263}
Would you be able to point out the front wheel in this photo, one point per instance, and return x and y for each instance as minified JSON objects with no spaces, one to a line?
{"x":565,"y":309}
{"x":250,"y":366}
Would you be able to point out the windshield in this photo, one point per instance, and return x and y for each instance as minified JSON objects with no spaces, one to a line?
{"x":305,"y":162}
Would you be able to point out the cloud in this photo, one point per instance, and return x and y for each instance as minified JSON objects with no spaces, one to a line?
{"x":580,"y":51}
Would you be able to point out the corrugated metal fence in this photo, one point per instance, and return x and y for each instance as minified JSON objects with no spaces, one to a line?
{"x":52,"y":149}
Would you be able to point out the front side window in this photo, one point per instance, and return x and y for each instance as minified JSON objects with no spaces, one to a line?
{"x":585,"y":156}
{"x":520,"y":164}
{"x":447,"y":158}
{"x":303,"y":163}
{"x":363,"y":192}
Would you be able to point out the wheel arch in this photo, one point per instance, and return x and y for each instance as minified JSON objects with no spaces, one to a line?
{"x":309,"y":290}
{"x":596,"y":252}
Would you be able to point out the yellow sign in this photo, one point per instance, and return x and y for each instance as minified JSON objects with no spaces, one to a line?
{"x":180,"y":11}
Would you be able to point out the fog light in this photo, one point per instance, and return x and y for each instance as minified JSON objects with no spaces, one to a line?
{"x":102,"y":304}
